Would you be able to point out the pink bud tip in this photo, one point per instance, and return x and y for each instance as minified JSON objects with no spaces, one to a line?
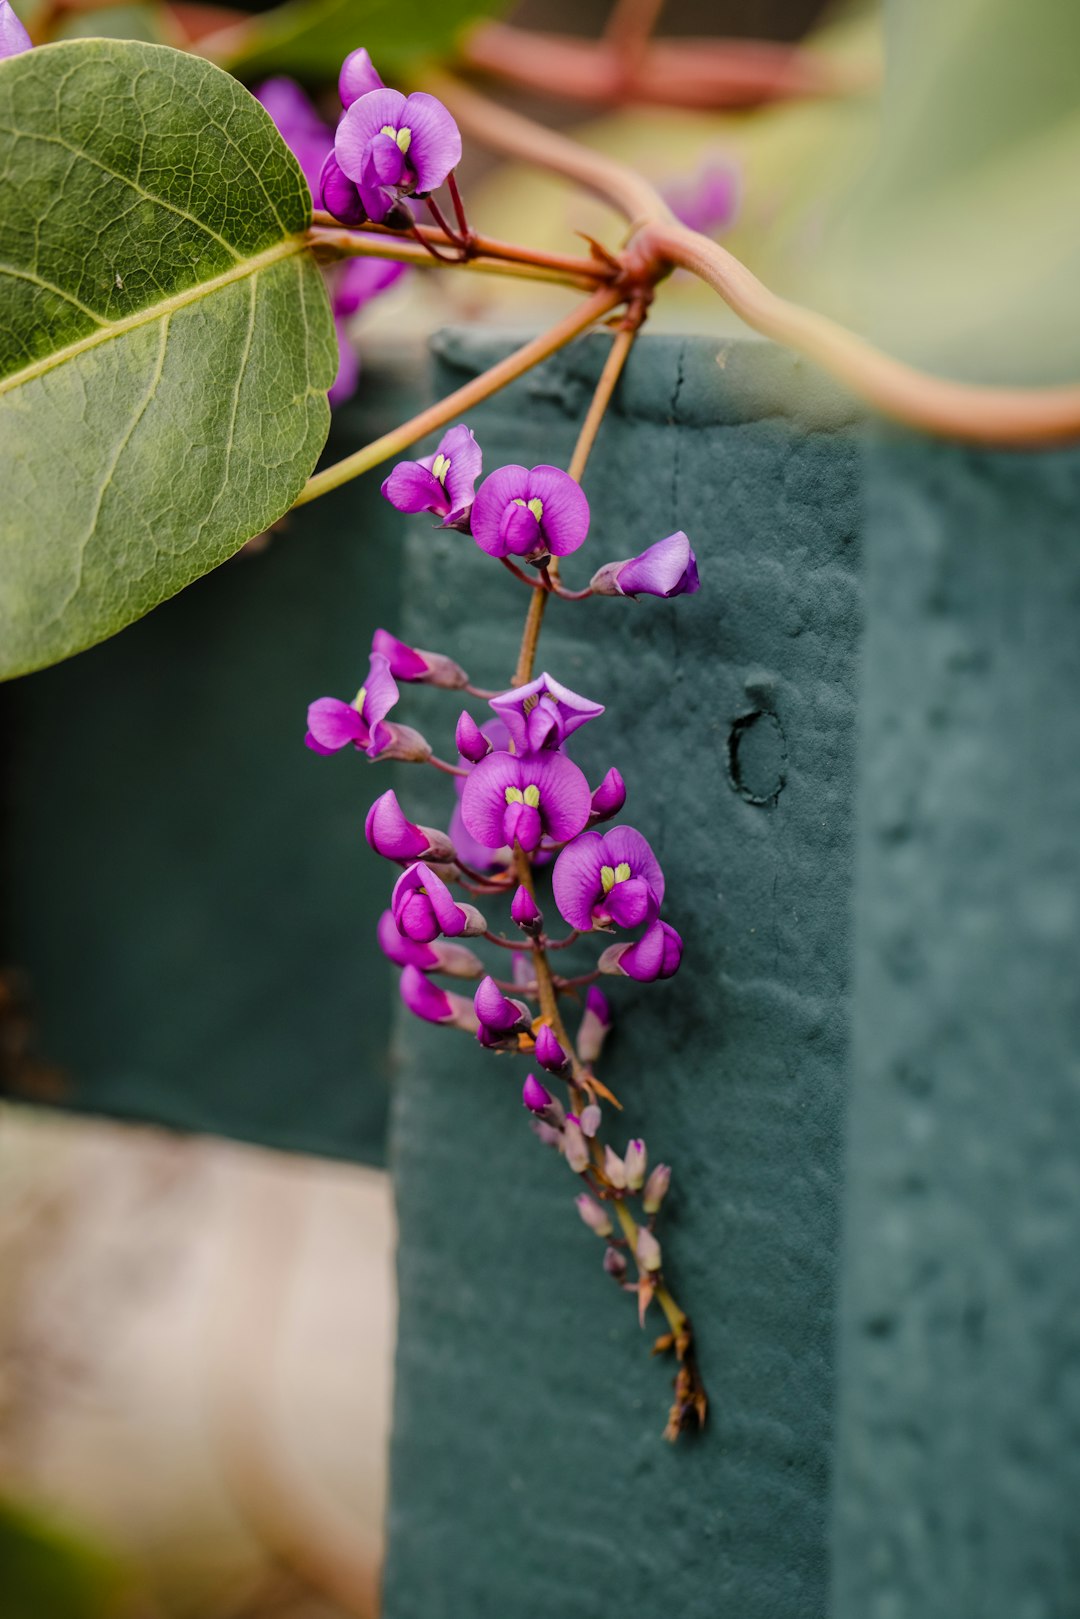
{"x":535,"y":1096}
{"x":523,"y":909}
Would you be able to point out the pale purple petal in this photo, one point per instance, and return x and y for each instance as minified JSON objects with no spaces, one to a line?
{"x":361,"y":280}
{"x":297,"y":119}
{"x":575,"y":880}
{"x":362,"y":121}
{"x":333,"y":724}
{"x":357,"y":77}
{"x":483,"y":798}
{"x":404,"y":952}
{"x":498,"y":490}
{"x":546,"y":697}
{"x":384,"y":163}
{"x":657,"y":954}
{"x":380,"y":690}
{"x":475,"y":854}
{"x":564,"y":793}
{"x":565,"y":522}
{"x":348,"y":372}
{"x":626,"y":843}
{"x":466,"y":459}
{"x":520,"y":534}
{"x":668,"y":568}
{"x":13,"y":36}
{"x":435,"y":148}
{"x":339,"y":194}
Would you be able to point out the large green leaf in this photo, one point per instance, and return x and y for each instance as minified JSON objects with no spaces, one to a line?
{"x":165,"y":338}
{"x":311,"y":37}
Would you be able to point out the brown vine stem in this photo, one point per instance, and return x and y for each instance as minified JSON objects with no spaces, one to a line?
{"x":523,"y":359}
{"x":968,"y":412}
{"x":591,"y":270}
{"x":342,"y":244}
{"x":707,"y":74}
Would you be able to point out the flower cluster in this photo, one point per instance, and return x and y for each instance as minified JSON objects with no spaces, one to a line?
{"x":524,"y":805}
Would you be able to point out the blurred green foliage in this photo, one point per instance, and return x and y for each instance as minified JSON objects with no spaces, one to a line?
{"x":310,"y":38}
{"x":49,"y":1573}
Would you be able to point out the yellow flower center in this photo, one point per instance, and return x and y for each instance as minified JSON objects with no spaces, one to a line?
{"x":530,"y":796}
{"x":535,"y":506}
{"x":403,"y":137}
{"x":609,"y":876}
{"x":358,"y":700}
{"x":440,"y":467}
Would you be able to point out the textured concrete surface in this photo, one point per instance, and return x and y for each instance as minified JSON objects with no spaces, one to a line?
{"x":184,"y":884}
{"x":958,"y":1469}
{"x":529,"y":1477}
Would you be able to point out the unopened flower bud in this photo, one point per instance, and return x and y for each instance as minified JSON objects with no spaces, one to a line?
{"x":575,"y":1147}
{"x":525,"y":912}
{"x":614,"y":1168}
{"x":668,"y":568}
{"x":656,"y":954}
{"x":426,"y":1000}
{"x":414,"y":664}
{"x":590,"y":1119}
{"x":549,"y":1053}
{"x":608,"y":798}
{"x":656,"y":1188}
{"x":536,"y":1097}
{"x":594,"y":1025}
{"x":647,"y":1250}
{"x":594,"y":1215}
{"x":615,"y":1263}
{"x":497,"y":1014}
{"x":402,"y":742}
{"x":394,"y":837}
{"x":636,"y":1159}
{"x":472,"y":744}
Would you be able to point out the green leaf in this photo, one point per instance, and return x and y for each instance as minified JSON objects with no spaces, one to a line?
{"x":165,"y":337}
{"x":312,"y":37}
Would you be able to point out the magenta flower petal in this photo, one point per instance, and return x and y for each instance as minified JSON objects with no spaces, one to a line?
{"x":566,"y":510}
{"x":13,"y":36}
{"x":625,"y":843}
{"x":413,"y":487}
{"x":543,"y":713}
{"x":435,"y":147}
{"x":460,"y":449}
{"x":362,"y":122}
{"x":607,"y":878}
{"x":389,"y":832}
{"x":576,"y":881}
{"x":503,"y":788}
{"x":297,"y":119}
{"x":498,"y":491}
{"x":339,"y":194}
{"x":402,"y":951}
{"x":406,"y":663}
{"x":332,"y":725}
{"x":536,"y":1097}
{"x":657,"y":954}
{"x":348,"y":372}
{"x":380,"y":690}
{"x":526,"y":512}
{"x":423,"y":906}
{"x":609,"y":797}
{"x":497,"y":1014}
{"x":471,"y":742}
{"x":425,"y":999}
{"x":357,"y":77}
{"x":668,"y":568}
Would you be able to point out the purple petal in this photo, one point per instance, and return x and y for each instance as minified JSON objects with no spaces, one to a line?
{"x":515,"y":708}
{"x":522,"y":825}
{"x":424,"y":998}
{"x":475,"y":854}
{"x":564,"y":793}
{"x":630,"y":903}
{"x":565,"y":522}
{"x":625,"y":843}
{"x":13,"y":36}
{"x":413,"y":488}
{"x":390,"y":834}
{"x":348,"y":372}
{"x":466,"y":459}
{"x":483,"y":798}
{"x":405,"y":662}
{"x":357,"y":77}
{"x":450,"y":916}
{"x":404,"y":952}
{"x":519,"y":532}
{"x":575,"y":880}
{"x":380,"y":690}
{"x":609,"y":797}
{"x":339,"y":194}
{"x":536,"y":1097}
{"x":435,"y":148}
{"x":297,"y":120}
{"x":668,"y":568}
{"x":494,"y":1010}
{"x":471,"y":742}
{"x":361,"y":124}
{"x":333,"y":724}
{"x":384,"y":163}
{"x":656,"y":954}
{"x":498,"y":490}
{"x":361,"y":280}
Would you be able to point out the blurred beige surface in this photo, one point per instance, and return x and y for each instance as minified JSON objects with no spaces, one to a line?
{"x":195,"y":1360}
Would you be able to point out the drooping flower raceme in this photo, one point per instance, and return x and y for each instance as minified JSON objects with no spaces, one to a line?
{"x":508,"y":800}
{"x":608,"y":879}
{"x":442,"y":483}
{"x":542,"y":714}
{"x":393,"y":146}
{"x":530,"y":513}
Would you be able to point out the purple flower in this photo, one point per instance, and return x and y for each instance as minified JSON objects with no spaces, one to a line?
{"x":525,"y":912}
{"x":498,"y":1016}
{"x":530,"y":513}
{"x":436,"y":957}
{"x":635,"y":1158}
{"x":608,"y":798}
{"x":595,"y":1025}
{"x":668,"y":568}
{"x":710,"y":201}
{"x":423,"y":907}
{"x":543,"y":714}
{"x":13,"y":36}
{"x":606,"y":879}
{"x":656,"y":954}
{"x":357,"y":77}
{"x":299,"y":124}
{"x":412,"y":663}
{"x":442,"y":483}
{"x":536,"y":1097}
{"x":508,"y":800}
{"x":472,"y":744}
{"x":395,"y":838}
{"x":549,"y":1053}
{"x":392,"y":146}
{"x":333,"y":724}
{"x":426,"y":1000}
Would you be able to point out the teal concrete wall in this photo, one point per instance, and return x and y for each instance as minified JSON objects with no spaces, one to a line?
{"x":529,"y":1477}
{"x":186,"y":889}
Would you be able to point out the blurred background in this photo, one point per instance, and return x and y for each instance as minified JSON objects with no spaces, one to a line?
{"x":197,"y":1309}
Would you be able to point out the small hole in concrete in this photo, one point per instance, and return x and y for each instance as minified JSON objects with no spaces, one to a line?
{"x":757,"y":757}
